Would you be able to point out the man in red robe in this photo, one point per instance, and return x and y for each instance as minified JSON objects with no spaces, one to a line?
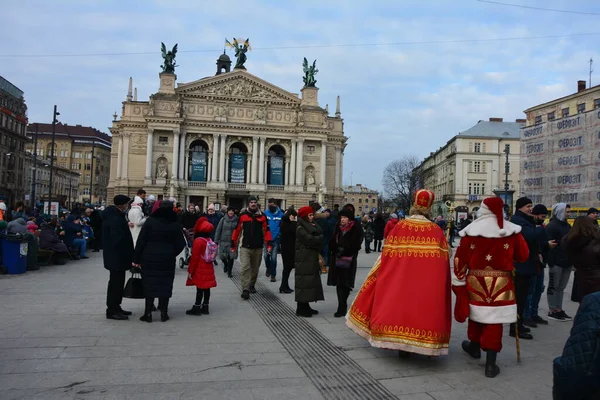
{"x":405,"y":301}
{"x":483,"y":280}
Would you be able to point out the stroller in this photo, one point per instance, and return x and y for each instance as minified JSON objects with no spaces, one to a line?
{"x":183,"y":258}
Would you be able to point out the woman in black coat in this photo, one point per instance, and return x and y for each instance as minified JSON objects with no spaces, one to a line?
{"x":345,"y":243}
{"x":378,"y":228}
{"x":160,"y":241}
{"x":582,"y":247}
{"x":287,"y":230}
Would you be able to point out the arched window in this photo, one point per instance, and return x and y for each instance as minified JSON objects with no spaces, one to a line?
{"x":237,"y":163}
{"x":198,"y":161}
{"x":276,"y":166}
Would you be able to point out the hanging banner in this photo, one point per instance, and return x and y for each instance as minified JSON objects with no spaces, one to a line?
{"x":198,"y":166}
{"x":238,"y":168}
{"x":276,"y":171}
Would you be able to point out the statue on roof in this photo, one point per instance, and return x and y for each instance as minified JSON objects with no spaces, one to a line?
{"x":241,"y":48}
{"x":309,"y":73}
{"x":169,"y":58}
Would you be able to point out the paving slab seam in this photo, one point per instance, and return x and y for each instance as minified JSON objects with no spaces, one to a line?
{"x":332,"y":371}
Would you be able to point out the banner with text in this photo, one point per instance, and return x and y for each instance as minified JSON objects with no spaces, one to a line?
{"x":198,"y":166}
{"x":276,"y":171}
{"x":238,"y":168}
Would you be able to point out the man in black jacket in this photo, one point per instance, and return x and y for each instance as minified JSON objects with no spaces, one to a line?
{"x":117,"y":255}
{"x":525,"y":271}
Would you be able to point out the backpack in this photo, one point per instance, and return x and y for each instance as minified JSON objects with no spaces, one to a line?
{"x":210,"y":254}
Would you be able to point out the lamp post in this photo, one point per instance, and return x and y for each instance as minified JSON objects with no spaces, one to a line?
{"x":34,"y":171}
{"x":506,"y":167}
{"x":54,"y":121}
{"x":92,"y":170}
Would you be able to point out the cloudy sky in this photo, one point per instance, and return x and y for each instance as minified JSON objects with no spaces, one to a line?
{"x":411,"y":74}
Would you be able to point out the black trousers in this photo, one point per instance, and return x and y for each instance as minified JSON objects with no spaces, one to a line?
{"x":200,"y":294}
{"x":377,"y":245}
{"x":97,"y":242}
{"x":114,"y":292}
{"x":521,"y":291}
{"x":288,"y":266}
{"x":163,"y":305}
{"x":343,"y":292}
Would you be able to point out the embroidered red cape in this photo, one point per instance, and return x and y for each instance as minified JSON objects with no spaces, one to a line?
{"x":405,"y":302}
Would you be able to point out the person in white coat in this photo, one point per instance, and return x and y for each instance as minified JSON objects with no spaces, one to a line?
{"x":136,"y":218}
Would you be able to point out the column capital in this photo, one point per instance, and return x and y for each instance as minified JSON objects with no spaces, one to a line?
{"x":300,"y":140}
{"x":324,"y":141}
{"x":255,"y":139}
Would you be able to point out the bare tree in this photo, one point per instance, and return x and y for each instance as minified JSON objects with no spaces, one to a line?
{"x":401,"y":179}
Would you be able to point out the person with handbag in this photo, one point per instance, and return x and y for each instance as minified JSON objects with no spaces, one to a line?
{"x":309,"y":241}
{"x":159,"y":243}
{"x":201,"y":271}
{"x":117,"y":255}
{"x":343,"y":252}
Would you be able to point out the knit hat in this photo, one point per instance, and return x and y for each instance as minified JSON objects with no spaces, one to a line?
{"x":304,"y":211}
{"x":522,"y":202}
{"x":121,"y":200}
{"x":3,"y":206}
{"x":252,"y":198}
{"x":151,"y":198}
{"x":394,"y":216}
{"x":138,"y":200}
{"x":592,"y":210}
{"x":539,"y":209}
{"x":203,"y":226}
{"x":495,"y":205}
{"x":346,"y":212}
{"x":211,"y":206}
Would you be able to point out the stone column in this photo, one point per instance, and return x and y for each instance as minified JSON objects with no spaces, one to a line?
{"x":300,"y":163}
{"x":292,"y":174}
{"x":215,"y":158}
{"x":254,"y":159}
{"x":119,"y":156}
{"x":222,"y":159}
{"x":181,"y":173}
{"x":149,"y":148}
{"x":338,"y":167}
{"x":226,"y":168}
{"x":287,"y":171}
{"x":323,"y":163}
{"x":124,"y":156}
{"x":342,"y":167}
{"x":248,"y":168}
{"x":261,"y":162}
{"x":209,"y":172}
{"x":175,"y":161}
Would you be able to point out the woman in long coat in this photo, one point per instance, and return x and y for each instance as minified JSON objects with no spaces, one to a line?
{"x":345,"y":242}
{"x":287,"y":229}
{"x":160,"y":241}
{"x":582,"y":246}
{"x":309,"y":240}
{"x":223,"y":235}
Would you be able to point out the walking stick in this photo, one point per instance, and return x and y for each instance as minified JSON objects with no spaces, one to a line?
{"x":517,"y":329}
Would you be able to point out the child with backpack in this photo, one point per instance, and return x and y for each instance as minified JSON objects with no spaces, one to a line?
{"x":201,"y":272}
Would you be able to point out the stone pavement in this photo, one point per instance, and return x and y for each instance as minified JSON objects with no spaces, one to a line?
{"x":55,"y":343}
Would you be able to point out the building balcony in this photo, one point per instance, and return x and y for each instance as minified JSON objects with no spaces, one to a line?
{"x":236,"y":186}
{"x":275,"y":188}
{"x":196,"y":185}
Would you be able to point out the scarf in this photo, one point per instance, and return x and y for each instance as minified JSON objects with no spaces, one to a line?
{"x":347,"y":227}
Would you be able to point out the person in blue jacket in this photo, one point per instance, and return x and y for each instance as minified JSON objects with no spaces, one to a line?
{"x":73,"y":237}
{"x":577,"y":371}
{"x":274,"y":216}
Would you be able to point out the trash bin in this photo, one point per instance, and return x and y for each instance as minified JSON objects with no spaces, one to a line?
{"x":32,"y":252}
{"x":14,"y":254}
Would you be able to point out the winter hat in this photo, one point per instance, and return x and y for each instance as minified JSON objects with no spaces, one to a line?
{"x":203,"y":226}
{"x":522,"y":202}
{"x":3,"y":206}
{"x":156,"y":206}
{"x":315,"y":206}
{"x":592,"y":210}
{"x":346,"y":212}
{"x":211,"y":206}
{"x":252,"y":198}
{"x":539,"y":209}
{"x":138,"y":200}
{"x":394,"y":216}
{"x":30,"y":223}
{"x":351,"y":208}
{"x":121,"y":200}
{"x":304,"y":211}
{"x":496,"y":206}
{"x":151,"y":198}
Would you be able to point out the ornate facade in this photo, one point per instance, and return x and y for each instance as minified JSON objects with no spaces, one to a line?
{"x":221,"y":138}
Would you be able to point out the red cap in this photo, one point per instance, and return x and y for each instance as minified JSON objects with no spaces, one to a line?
{"x":203,"y":226}
{"x":496,"y":205}
{"x":304,"y":211}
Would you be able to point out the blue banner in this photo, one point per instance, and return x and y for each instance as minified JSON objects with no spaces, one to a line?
{"x":276,"y":171}
{"x":237,"y":172}
{"x":198,"y":166}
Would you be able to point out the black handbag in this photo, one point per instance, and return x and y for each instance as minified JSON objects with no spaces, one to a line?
{"x":134,"y":289}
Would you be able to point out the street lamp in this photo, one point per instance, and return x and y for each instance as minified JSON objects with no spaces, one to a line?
{"x":34,"y":174}
{"x":54,"y":121}
{"x":506,"y":167}
{"x":92,"y":170}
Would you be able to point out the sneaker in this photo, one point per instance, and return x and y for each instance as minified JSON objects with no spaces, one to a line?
{"x":565,"y":316}
{"x":539,"y":320}
{"x":557,"y":316}
{"x":530,"y":322}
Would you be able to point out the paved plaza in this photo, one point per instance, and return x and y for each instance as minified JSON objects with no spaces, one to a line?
{"x":55,"y":343}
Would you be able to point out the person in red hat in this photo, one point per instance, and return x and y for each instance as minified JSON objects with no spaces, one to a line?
{"x":483,"y":280}
{"x":405,"y":302}
{"x":201,"y":272}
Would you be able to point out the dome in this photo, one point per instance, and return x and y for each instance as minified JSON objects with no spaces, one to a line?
{"x":224,"y":57}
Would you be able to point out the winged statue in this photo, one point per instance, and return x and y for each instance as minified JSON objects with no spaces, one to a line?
{"x":241,"y":47}
{"x":169,"y":58}
{"x":309,"y":73}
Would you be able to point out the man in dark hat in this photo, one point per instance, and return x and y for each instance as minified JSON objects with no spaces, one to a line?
{"x":117,"y":255}
{"x":593,"y":214}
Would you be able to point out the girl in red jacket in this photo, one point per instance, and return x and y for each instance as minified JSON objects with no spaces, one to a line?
{"x":201,"y":273}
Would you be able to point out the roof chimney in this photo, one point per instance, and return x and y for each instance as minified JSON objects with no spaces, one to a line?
{"x":520,"y":121}
{"x":580,"y":86}
{"x":495,"y":119}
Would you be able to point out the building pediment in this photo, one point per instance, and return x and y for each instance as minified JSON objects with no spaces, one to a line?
{"x":236,"y":85}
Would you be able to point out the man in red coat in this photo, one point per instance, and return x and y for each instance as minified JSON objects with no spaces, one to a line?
{"x":483,"y":280}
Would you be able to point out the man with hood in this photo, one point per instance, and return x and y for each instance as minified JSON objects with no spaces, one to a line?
{"x":253,"y":233}
{"x":136,"y":218}
{"x":482,"y":280}
{"x":274,"y":215}
{"x":117,"y":254}
{"x":558,"y":262}
{"x":17,"y":226}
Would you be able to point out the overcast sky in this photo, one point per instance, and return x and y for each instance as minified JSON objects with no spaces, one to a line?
{"x":411,"y":74}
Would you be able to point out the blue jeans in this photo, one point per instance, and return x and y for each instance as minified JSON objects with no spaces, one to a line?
{"x":80,"y":244}
{"x":536,"y":288}
{"x":271,"y":261}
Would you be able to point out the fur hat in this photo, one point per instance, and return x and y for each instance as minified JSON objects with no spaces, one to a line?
{"x":304,"y":211}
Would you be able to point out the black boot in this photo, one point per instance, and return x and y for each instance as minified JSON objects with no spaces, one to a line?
{"x":342,"y":295}
{"x":522,"y":334}
{"x":303,"y":310}
{"x":491,"y":369}
{"x":285,"y":278}
{"x":195,"y":310}
{"x":146,"y":318}
{"x":472,"y":349}
{"x":205,"y":308}
{"x":163,"y":305}
{"x":312,"y":310}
